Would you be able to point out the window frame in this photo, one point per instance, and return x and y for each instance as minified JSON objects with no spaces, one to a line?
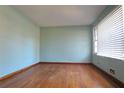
{"x":95,"y":35}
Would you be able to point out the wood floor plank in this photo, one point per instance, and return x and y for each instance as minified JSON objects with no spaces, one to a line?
{"x":52,"y":75}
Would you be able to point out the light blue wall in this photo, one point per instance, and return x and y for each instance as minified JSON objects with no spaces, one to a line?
{"x":106,"y":63}
{"x":19,"y":41}
{"x":66,"y":44}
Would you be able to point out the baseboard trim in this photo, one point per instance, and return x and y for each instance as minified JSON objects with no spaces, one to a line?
{"x":118,"y":82}
{"x":63,"y":63}
{"x":17,"y":72}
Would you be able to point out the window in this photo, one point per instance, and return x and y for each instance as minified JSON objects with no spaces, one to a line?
{"x":95,"y":39}
{"x":109,"y":35}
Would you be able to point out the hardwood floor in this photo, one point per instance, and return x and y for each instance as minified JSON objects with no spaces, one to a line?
{"x":52,"y":75}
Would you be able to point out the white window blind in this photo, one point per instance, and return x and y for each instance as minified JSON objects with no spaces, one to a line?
{"x":110,"y":35}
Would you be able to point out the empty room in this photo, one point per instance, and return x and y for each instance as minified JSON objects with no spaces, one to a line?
{"x":61,"y":46}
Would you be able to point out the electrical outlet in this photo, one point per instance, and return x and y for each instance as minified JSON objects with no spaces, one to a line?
{"x":112,"y":71}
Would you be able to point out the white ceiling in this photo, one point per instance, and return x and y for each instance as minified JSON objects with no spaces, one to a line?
{"x":61,"y":15}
